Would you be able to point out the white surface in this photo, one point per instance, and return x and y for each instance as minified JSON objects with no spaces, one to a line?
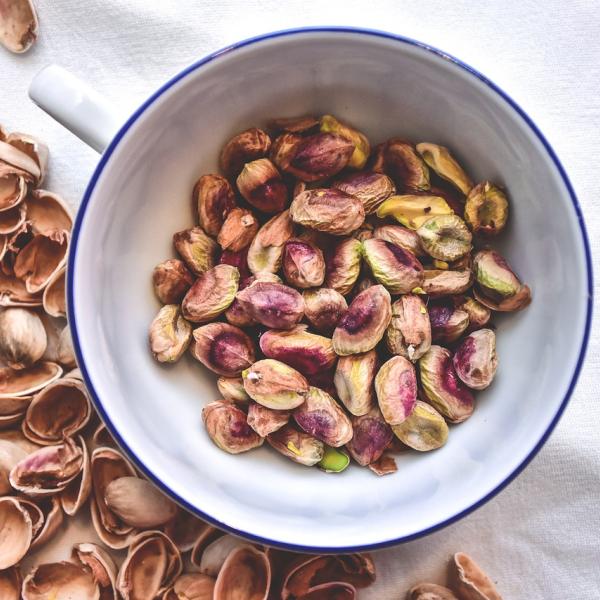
{"x":540,"y":535}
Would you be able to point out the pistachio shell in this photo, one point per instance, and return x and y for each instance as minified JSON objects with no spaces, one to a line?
{"x":49,"y":215}
{"x":244,"y":147}
{"x":60,"y":581}
{"x":33,"y":147}
{"x":224,"y":349}
{"x":430,"y":591}
{"x":307,"y":352}
{"x":424,"y":429}
{"x":47,"y":517}
{"x":75,"y":495}
{"x":171,"y":280}
{"x":266,"y":420}
{"x":396,"y":389}
{"x":442,"y":386}
{"x":16,"y":532}
{"x":266,"y":249}
{"x":323,"y":308}
{"x":170,"y":334}
{"x":10,"y":455}
{"x":370,"y":188}
{"x":363,"y":325}
{"x":191,"y":586}
{"x":10,"y":583}
{"x":245,"y":574}
{"x":215,"y":198}
{"x":413,"y":210}
{"x":372,"y":435}
{"x":227,"y":427}
{"x":215,"y":553}
{"x":238,"y":230}
{"x":205,"y":538}
{"x":442,"y":162}
{"x":321,"y":417}
{"x":297,"y":445}
{"x":328,"y":210}
{"x":17,"y":158}
{"x":27,"y":381}
{"x":354,"y":376}
{"x":393,"y":266}
{"x":440,"y":282}
{"x":303,"y":264}
{"x":400,"y":236}
{"x":12,"y":220}
{"x":475,"y":360}
{"x":14,"y":293}
{"x":469,"y":581}
{"x":65,"y":353}
{"x":184,"y":529}
{"x":196,"y":249}
{"x":445,"y":237}
{"x":23,"y":340}
{"x":262,"y":186}
{"x":232,"y":389}
{"x":13,"y":187}
{"x":53,"y":299}
{"x":409,"y":332}
{"x":18,"y":26}
{"x":362,"y":148}
{"x":486,"y":209}
{"x":102,"y":566}
{"x":275,"y":385}
{"x":447,"y":323}
{"x":343,"y":265}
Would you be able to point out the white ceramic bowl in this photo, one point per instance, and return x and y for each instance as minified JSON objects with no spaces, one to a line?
{"x":140,"y":194}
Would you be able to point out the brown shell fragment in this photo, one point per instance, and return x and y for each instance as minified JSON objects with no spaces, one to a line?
{"x":102,"y":566}
{"x":384,"y":465}
{"x":13,"y":187}
{"x":184,"y":529}
{"x":23,"y":338}
{"x":33,"y":147}
{"x":49,"y":215}
{"x":14,"y":293}
{"x":191,"y":586}
{"x":10,"y":583}
{"x":469,"y":580}
{"x":61,"y":580}
{"x":12,"y":220}
{"x":28,"y":381}
{"x":16,"y":531}
{"x":54,"y":300}
{"x":245,"y":575}
{"x":18,"y":25}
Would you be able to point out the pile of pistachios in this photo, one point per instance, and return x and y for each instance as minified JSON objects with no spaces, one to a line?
{"x":343,"y":295}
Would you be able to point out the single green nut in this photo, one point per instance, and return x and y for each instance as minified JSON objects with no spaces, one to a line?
{"x":333,"y":461}
{"x":322,"y":417}
{"x":212,"y":293}
{"x":170,"y":334}
{"x":486,"y":209}
{"x":196,"y":248}
{"x":444,"y":390}
{"x":232,"y":389}
{"x":353,"y":380}
{"x":409,"y":332}
{"x":328,"y":210}
{"x":448,"y":323}
{"x":413,"y":210}
{"x":323,"y":308}
{"x":227,"y":427}
{"x":303,"y":263}
{"x":297,"y":445}
{"x":442,"y":162}
{"x":393,"y":266}
{"x":343,"y":265}
{"x":401,"y":236}
{"x":405,"y":166}
{"x":479,"y":315}
{"x":364,"y":323}
{"x":498,"y":287}
{"x":243,"y":148}
{"x":441,"y":282}
{"x":396,"y":389}
{"x":369,"y":187}
{"x":445,"y":237}
{"x":362,"y":148}
{"x":275,"y":384}
{"x":266,"y":249}
{"x":307,"y":352}
{"x":372,"y":435}
{"x":424,"y":429}
{"x":266,"y":420}
{"x":475,"y":360}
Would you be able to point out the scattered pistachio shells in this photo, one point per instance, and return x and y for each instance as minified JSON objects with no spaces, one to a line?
{"x":216,"y":552}
{"x":10,"y":583}
{"x":170,"y":334}
{"x":10,"y":455}
{"x":442,"y":162}
{"x":333,"y":461}
{"x":27,"y":381}
{"x":102,"y":566}
{"x":412,"y":211}
{"x":192,"y":586}
{"x":424,"y":429}
{"x":469,"y":581}
{"x":65,"y":353}
{"x":18,"y":25}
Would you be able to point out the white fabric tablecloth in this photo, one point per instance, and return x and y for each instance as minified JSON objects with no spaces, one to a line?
{"x":540,"y":538}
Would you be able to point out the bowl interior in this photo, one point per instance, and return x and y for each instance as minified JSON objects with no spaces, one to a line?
{"x":387,"y":88}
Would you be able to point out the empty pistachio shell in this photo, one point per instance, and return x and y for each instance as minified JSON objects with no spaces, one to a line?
{"x":396,"y":389}
{"x":16,"y":384}
{"x":54,"y":299}
{"x":216,"y":552}
{"x":303,"y":263}
{"x":362,"y":148}
{"x":223,"y":348}
{"x":10,"y":455}
{"x":211,"y":294}
{"x":424,"y":429}
{"x":469,"y":580}
{"x":11,"y":221}
{"x":475,"y":360}
{"x":60,"y":580}
{"x":324,"y":308}
{"x":227,"y":427}
{"x":215,"y":198}
{"x":266,"y":249}
{"x":498,"y":287}
{"x":272,"y":304}
{"x":442,"y":162}
{"x":442,"y":282}
{"x":297,"y":445}
{"x":393,"y":266}
{"x":479,"y":315}
{"x":17,"y":531}
{"x":238,"y":230}
{"x":170,"y":334}
{"x":409,"y":332}
{"x":232,"y":389}
{"x":486,"y":209}
{"x":275,"y":385}
{"x":404,"y":165}
{"x":307,"y":352}
{"x":445,"y":237}
{"x":430,"y":591}
{"x":354,"y":376}
{"x":196,"y":249}
{"x":412,"y":211}
{"x":312,"y":158}
{"x":333,"y":461}
{"x":192,"y":586}
{"x":13,"y":186}
{"x":246,"y":573}
{"x":18,"y":25}
{"x":101,"y":564}
{"x":447,"y":323}
{"x":328,"y":210}
{"x":266,"y":420}
{"x":364,"y":323}
{"x":372,"y":435}
{"x":242,"y":148}
{"x":400,"y":236}
{"x":369,"y":187}
{"x":138,"y":503}
{"x":11,"y":582}
{"x":322,"y":417}
{"x":343,"y":265}
{"x":262,"y":186}
{"x":23,"y":340}
{"x":442,"y":386}
{"x":171,"y":280}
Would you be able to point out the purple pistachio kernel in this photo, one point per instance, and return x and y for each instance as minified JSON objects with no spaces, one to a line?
{"x":371,"y":437}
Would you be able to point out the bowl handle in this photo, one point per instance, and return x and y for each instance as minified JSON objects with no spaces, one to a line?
{"x":75,"y":105}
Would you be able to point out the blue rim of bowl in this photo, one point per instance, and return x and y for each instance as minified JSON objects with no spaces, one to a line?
{"x":70,"y":287}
